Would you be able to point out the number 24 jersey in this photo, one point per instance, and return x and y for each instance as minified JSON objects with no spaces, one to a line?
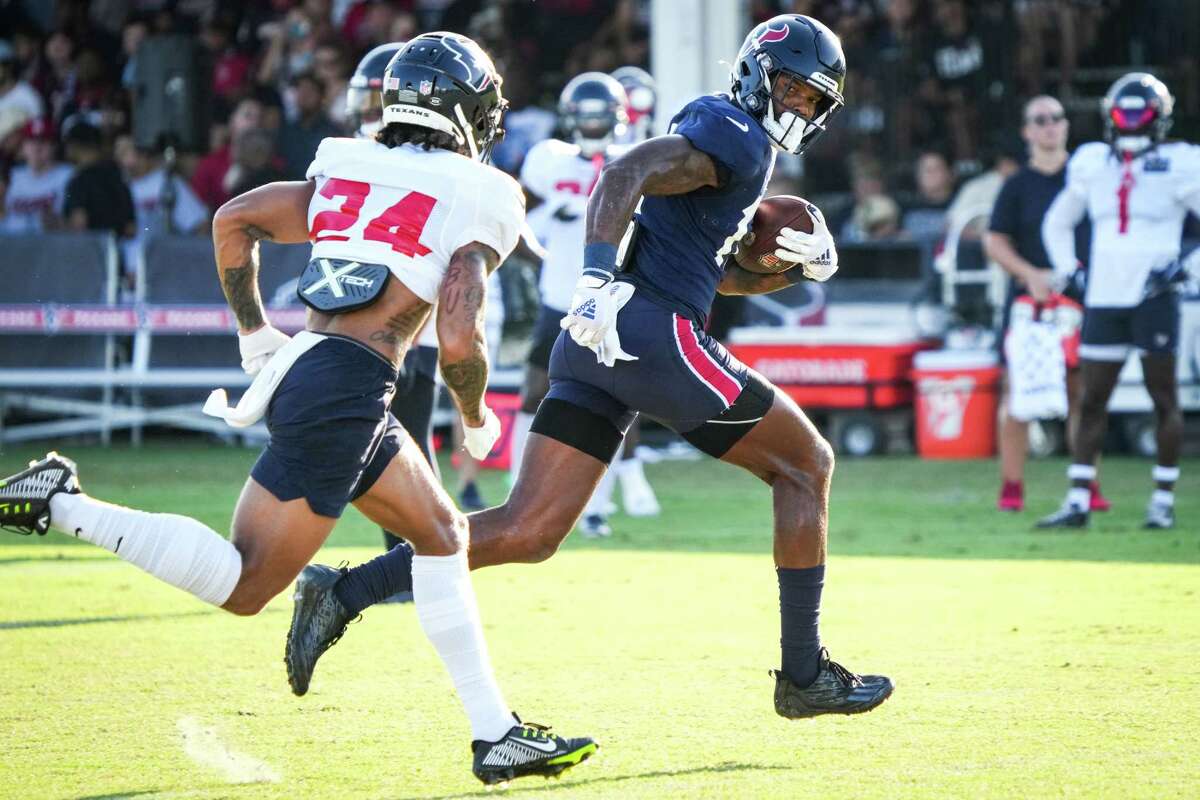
{"x":408,"y":208}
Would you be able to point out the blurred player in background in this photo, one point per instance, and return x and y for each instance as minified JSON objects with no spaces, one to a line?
{"x":1137,"y":189}
{"x":558,"y":176}
{"x":411,"y":218}
{"x":642,"y":95}
{"x":1014,"y":241}
{"x":699,"y":188}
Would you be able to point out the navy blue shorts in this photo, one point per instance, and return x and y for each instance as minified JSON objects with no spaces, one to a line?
{"x":683,"y":378}
{"x":331,"y":432}
{"x":1151,"y":327}
{"x":545,"y":334}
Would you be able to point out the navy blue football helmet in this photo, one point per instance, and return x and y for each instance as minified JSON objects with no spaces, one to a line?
{"x":592,"y":111}
{"x":776,"y":58}
{"x":364,"y":106}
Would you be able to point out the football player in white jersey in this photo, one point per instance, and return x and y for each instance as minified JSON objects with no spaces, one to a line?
{"x":559,"y":176}
{"x":642,"y":93}
{"x":36,"y":188}
{"x":1137,"y":189}
{"x":396,"y":224}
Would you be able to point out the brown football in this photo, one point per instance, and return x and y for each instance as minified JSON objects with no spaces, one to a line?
{"x":757,"y":251}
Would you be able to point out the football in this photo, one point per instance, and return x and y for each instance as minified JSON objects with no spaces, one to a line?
{"x":757,"y":252}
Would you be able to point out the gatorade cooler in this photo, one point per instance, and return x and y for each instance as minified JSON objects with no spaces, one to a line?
{"x":957,"y":396}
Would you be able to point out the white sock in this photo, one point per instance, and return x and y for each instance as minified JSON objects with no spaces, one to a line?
{"x":520,"y":434}
{"x":1080,"y":497}
{"x":1163,"y":497}
{"x":185,"y":553}
{"x":602,"y":496}
{"x":448,"y":614}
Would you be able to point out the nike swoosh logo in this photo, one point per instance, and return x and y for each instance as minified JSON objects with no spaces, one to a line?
{"x":546,"y":747}
{"x":743,"y":126}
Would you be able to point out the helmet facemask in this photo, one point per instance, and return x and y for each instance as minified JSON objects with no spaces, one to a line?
{"x":364,"y":105}
{"x":789,"y":130}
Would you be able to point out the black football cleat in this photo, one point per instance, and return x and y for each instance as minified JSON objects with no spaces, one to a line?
{"x":318,"y":620}
{"x":25,"y":497}
{"x":528,"y":749}
{"x":1069,"y":516}
{"x":836,"y":690}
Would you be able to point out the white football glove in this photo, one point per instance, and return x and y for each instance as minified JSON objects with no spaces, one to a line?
{"x":480,"y":441}
{"x":258,"y":347}
{"x":594,"y":308}
{"x":815,"y":251}
{"x":609,"y":351}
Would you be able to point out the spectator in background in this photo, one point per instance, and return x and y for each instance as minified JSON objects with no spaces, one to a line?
{"x":1014,"y":241}
{"x":876,"y":218}
{"x":924,"y":217}
{"x":19,"y":101}
{"x":97,"y":198}
{"x":151,"y":194}
{"x":254,"y":163}
{"x":309,"y":124}
{"x":292,"y":42}
{"x":209,"y":178}
{"x":133,"y":33}
{"x":977,"y":196}
{"x":231,"y":68}
{"x":54,"y":74}
{"x":959,"y":73}
{"x":34,"y":200}
{"x":332,"y":66}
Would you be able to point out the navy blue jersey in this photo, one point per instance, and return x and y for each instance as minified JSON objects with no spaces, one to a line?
{"x":683,"y":240}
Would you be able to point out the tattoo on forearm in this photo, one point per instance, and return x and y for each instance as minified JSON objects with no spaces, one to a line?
{"x":467,"y":379}
{"x":240,"y":285}
{"x":400,"y":328}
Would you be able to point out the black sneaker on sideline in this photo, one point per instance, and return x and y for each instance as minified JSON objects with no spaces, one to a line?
{"x":469,"y":499}
{"x":528,"y":749}
{"x":1069,"y":516}
{"x":25,"y":497}
{"x":318,"y":620}
{"x":836,"y":690}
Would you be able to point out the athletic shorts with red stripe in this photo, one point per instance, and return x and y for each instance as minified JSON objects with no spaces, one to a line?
{"x":683,"y":379}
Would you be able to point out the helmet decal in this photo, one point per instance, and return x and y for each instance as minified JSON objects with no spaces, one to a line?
{"x":772,"y":35}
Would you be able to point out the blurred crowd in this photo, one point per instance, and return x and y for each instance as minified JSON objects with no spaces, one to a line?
{"x":934,"y":90}
{"x":276,"y":75}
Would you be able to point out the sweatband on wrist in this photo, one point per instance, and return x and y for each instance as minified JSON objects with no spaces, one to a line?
{"x":600,"y":260}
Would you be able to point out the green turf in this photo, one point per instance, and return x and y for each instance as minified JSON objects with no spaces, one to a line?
{"x":1027,"y":665}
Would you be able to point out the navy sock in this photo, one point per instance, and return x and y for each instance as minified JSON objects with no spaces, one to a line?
{"x":799,"y":611}
{"x":376,"y":580}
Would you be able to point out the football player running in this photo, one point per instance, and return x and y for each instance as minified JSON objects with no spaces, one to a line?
{"x":559,"y":176}
{"x":1137,"y":189}
{"x":635,"y":342}
{"x":398,"y":223}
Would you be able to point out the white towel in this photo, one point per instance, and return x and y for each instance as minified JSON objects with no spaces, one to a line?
{"x":253,"y":404}
{"x":1037,"y":370}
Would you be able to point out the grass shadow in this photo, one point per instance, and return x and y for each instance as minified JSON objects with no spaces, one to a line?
{"x":729,"y":766}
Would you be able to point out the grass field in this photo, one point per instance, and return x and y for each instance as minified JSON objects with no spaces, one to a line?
{"x":1027,"y":665}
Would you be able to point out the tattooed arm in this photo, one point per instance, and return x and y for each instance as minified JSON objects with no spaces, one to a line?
{"x":460,"y":315}
{"x":276,"y":212}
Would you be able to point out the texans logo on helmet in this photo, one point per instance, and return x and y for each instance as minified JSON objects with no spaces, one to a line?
{"x":476,"y":83}
{"x":773,"y":35}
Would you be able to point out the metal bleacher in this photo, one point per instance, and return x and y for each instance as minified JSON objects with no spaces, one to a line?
{"x":62,"y":333}
{"x":52,"y":362}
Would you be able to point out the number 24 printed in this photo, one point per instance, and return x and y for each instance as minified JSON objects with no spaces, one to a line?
{"x":399,"y":226}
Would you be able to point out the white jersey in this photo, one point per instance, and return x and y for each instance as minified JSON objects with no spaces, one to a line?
{"x":1137,"y":214}
{"x":562,"y":178}
{"x":188,"y":214}
{"x":31,"y":195}
{"x":408,"y":208}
